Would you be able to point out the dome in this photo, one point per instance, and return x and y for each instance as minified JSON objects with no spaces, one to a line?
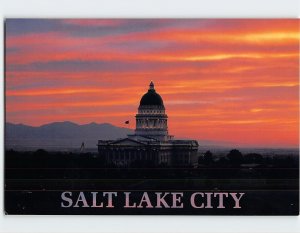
{"x":151,"y":97}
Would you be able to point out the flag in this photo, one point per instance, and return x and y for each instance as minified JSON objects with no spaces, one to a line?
{"x":82,"y":147}
{"x":126,"y":122}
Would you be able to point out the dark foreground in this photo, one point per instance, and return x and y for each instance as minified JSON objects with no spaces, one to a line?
{"x":35,"y":181}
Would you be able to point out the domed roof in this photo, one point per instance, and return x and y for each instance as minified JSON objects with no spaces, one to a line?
{"x":151,"y":97}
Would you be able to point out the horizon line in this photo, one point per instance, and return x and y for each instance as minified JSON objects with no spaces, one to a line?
{"x":231,"y":144}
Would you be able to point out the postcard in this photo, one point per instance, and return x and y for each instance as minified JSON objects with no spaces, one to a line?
{"x":151,"y":116}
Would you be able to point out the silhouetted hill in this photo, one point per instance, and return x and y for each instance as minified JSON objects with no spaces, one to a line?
{"x":60,"y":135}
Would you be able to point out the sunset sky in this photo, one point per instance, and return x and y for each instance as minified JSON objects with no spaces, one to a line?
{"x":229,"y":80}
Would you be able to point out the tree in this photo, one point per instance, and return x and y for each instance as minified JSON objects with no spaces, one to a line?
{"x":235,"y":157}
{"x":40,"y":152}
{"x":253,"y":158}
{"x":208,"y":157}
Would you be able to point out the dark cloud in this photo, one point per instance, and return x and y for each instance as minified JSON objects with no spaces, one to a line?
{"x":124,"y":26}
{"x":111,"y":66}
{"x":24,"y":26}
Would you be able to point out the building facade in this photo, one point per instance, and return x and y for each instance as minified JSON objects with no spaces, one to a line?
{"x":151,"y":143}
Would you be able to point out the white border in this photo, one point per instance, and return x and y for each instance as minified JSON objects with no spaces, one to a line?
{"x":142,"y":9}
{"x":151,"y":8}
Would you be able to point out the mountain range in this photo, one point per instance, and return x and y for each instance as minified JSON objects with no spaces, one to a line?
{"x":60,"y":135}
{"x":67,"y":135}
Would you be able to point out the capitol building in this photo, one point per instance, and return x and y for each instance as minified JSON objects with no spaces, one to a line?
{"x":151,"y":142}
